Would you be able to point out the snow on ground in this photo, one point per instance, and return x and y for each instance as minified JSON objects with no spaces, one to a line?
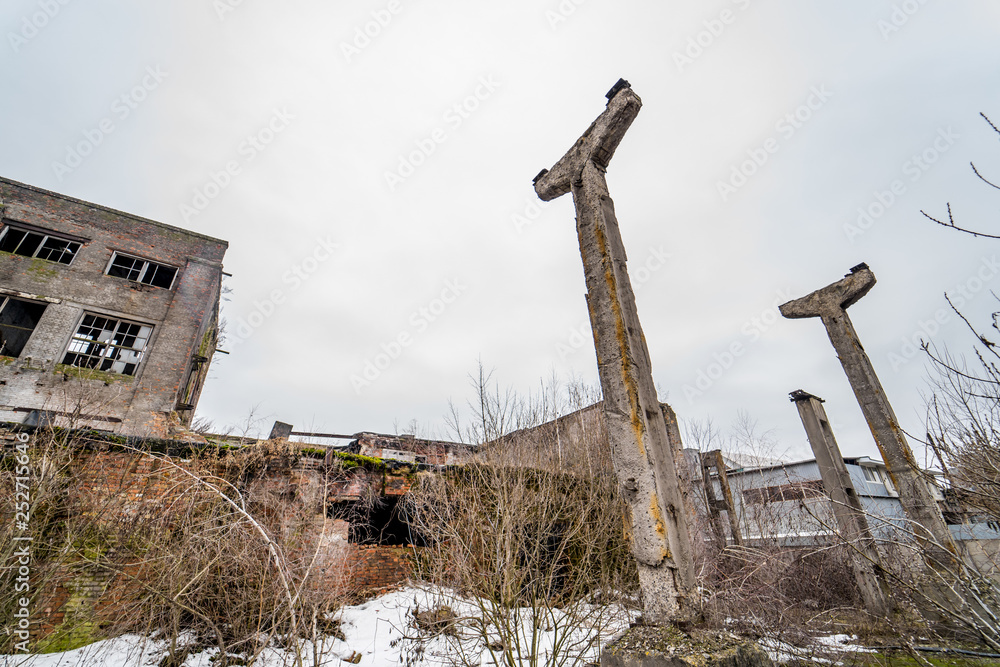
{"x":379,"y":633}
{"x":833,"y":647}
{"x":846,"y":643}
{"x":382,"y":633}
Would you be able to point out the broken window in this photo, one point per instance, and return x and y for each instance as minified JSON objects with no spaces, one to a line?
{"x":141,"y":271}
{"x":51,"y":247}
{"x":17,"y":320}
{"x":106,"y":344}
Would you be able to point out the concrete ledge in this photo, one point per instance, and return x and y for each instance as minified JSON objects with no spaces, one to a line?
{"x":652,"y":646}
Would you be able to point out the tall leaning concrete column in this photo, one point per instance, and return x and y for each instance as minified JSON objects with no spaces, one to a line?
{"x":641,"y":451}
{"x":830,"y":305}
{"x":866,"y":562}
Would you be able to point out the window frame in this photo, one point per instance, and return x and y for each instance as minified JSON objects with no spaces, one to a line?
{"x":141,"y":353}
{"x":147,"y":263}
{"x":871,"y":474}
{"x":5,"y":299}
{"x":46,"y":235}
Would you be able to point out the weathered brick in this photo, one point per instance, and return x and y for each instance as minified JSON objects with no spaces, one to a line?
{"x":184,"y":318}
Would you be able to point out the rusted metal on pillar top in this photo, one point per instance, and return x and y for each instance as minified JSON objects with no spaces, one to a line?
{"x":852,"y":524}
{"x":641,"y":448}
{"x":830,"y":304}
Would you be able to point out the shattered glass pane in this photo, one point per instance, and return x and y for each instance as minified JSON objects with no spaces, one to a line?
{"x":109,"y":345}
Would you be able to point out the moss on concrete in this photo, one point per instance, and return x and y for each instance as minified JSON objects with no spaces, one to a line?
{"x":69,"y":638}
{"x":350,"y":461}
{"x":42,"y":270}
{"x":91,"y":374}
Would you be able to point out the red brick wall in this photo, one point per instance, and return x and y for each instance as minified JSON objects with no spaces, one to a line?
{"x":380,"y":567}
{"x":123,"y":482}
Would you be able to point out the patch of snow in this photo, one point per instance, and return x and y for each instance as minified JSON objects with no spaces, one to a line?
{"x":831,"y":646}
{"x":380,"y":631}
{"x":844,"y":643}
{"x":781,"y":652}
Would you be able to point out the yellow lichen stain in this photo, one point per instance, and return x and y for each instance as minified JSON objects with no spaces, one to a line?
{"x":623,"y":345}
{"x":627,"y":526}
{"x":654,"y":509}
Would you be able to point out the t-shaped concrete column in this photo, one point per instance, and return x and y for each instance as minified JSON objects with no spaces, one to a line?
{"x":830,"y":304}
{"x":851,"y":521}
{"x":643,"y":458}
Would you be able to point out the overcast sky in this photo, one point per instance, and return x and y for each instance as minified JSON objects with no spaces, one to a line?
{"x":370,"y":164}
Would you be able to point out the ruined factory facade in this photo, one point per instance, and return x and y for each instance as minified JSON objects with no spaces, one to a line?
{"x":107,"y":320}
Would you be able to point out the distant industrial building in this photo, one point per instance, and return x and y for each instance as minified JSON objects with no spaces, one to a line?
{"x":785,"y":502}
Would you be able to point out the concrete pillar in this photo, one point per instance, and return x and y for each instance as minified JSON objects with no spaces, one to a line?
{"x":641,"y":449}
{"x":852,"y":523}
{"x":830,"y":305}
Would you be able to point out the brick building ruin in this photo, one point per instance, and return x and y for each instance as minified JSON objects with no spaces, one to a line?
{"x":106,"y":318}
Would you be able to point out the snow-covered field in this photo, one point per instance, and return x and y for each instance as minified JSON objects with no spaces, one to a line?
{"x":379,"y":632}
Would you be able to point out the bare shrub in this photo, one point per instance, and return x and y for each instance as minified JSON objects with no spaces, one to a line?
{"x":218,"y":549}
{"x":526,"y":545}
{"x":775,"y":591}
{"x":45,"y":465}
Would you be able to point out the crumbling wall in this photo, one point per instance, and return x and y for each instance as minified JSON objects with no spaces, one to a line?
{"x":74,"y":599}
{"x":412,"y":450}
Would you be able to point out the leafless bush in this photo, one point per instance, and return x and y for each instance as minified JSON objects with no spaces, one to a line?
{"x":45,"y":464}
{"x":775,"y":590}
{"x":218,"y":549}
{"x":494,"y":413}
{"x":535,"y":547}
{"x":789,"y":568}
{"x":775,"y":584}
{"x":964,"y":428}
{"x":235,"y":558}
